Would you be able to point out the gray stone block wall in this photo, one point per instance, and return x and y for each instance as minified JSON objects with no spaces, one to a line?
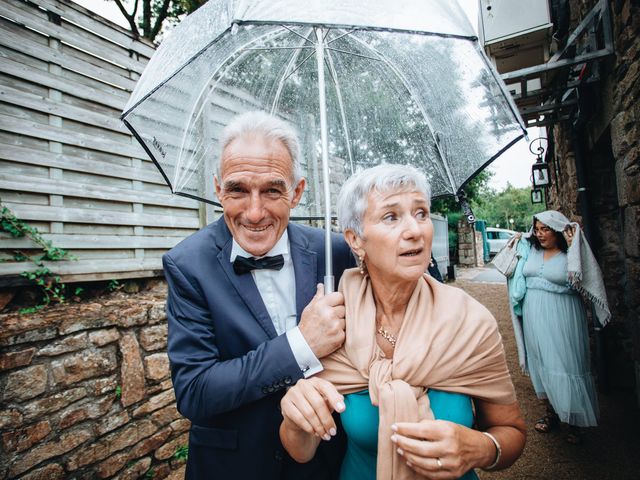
{"x":85,"y":392}
{"x":611,"y":143}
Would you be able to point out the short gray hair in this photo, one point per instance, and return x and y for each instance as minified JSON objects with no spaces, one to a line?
{"x":353,"y":199}
{"x":262,"y":123}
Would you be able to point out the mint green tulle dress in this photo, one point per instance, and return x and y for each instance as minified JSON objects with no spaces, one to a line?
{"x":556,"y":338}
{"x":360,"y":422}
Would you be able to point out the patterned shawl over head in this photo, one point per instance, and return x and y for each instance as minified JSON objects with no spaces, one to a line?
{"x":584,"y":272}
{"x":448,"y":341}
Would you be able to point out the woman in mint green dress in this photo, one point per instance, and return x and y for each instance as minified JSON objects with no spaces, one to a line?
{"x":556,"y":266}
{"x":419,"y":358}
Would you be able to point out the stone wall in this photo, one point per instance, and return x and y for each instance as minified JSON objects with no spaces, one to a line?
{"x":86,"y":392}
{"x":470,"y":249}
{"x":608,"y":145}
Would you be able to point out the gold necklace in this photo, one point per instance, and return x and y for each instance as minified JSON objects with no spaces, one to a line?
{"x":389,"y":337}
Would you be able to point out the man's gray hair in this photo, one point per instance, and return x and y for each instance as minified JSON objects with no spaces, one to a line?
{"x":262,"y":123}
{"x":353,"y":199}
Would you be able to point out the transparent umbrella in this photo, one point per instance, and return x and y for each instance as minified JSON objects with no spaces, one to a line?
{"x":382,"y":81}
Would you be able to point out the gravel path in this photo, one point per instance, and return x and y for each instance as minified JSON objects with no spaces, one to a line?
{"x":610,"y":451}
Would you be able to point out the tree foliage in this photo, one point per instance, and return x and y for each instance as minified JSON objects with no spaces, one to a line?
{"x":474,"y":191}
{"x":146,"y":18}
{"x":498,"y":208}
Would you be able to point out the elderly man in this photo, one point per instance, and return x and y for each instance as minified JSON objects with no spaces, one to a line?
{"x":247,"y":316}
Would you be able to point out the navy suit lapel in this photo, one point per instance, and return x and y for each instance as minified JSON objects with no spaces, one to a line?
{"x":305,"y":267}
{"x":244,"y":284}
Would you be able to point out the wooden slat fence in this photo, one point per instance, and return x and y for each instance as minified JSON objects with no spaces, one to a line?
{"x":68,"y":165}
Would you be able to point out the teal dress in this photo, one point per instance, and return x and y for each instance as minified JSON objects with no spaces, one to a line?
{"x":360,"y":422}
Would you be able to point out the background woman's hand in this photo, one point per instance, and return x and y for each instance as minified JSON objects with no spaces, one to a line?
{"x":439,"y":449}
{"x":569,"y":233}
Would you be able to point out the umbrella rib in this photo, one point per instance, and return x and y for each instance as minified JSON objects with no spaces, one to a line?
{"x":198,"y":159}
{"x":193,"y":112}
{"x":334,"y":76}
{"x":354,"y":54}
{"x":299,"y":65}
{"x":341,"y":36}
{"x":395,"y":69}
{"x":280,"y":48}
{"x":306,"y":39}
{"x":292,"y":61}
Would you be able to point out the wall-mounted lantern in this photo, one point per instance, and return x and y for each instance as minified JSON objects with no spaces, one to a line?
{"x":540,"y":174}
{"x":536,"y":195}
{"x":540,"y":170}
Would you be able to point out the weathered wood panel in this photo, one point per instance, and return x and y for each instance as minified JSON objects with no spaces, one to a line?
{"x":95,"y":266}
{"x":58,"y":134}
{"x":68,"y":165}
{"x":32,"y":17}
{"x":65,"y":60}
{"x":44,"y":104}
{"x":109,"y":96}
{"x":72,"y":189}
{"x":68,"y":162}
{"x":80,"y":215}
{"x":90,"y":241}
{"x":83,"y":17}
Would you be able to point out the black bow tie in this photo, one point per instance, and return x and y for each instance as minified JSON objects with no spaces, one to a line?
{"x":243,"y":264}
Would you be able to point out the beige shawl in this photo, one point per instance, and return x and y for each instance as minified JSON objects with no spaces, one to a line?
{"x":447,"y":341}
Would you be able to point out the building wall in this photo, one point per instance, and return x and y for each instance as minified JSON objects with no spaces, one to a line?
{"x":607,"y":146}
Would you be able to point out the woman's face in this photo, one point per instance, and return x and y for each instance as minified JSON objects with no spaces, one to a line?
{"x":545,"y":235}
{"x":397,"y":235}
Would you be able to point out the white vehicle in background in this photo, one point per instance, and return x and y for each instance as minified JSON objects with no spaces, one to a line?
{"x":497,"y":238}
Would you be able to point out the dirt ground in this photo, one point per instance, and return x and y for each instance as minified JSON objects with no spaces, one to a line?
{"x":609,"y":451}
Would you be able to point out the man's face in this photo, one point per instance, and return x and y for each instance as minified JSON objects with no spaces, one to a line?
{"x":256,"y":191}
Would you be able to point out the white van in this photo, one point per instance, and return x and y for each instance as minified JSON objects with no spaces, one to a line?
{"x":497,"y":238}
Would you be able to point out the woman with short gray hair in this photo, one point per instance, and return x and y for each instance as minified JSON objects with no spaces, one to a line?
{"x":418,"y":355}
{"x":354,"y":194}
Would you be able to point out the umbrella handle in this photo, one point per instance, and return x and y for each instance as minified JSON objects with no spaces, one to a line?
{"x":329,"y":284}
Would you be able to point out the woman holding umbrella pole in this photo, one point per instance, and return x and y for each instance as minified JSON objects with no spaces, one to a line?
{"x":419,"y":356}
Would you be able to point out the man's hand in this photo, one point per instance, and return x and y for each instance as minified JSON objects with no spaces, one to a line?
{"x":322,"y":323}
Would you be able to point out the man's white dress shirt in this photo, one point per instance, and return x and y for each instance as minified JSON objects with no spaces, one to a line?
{"x":278,"y":291}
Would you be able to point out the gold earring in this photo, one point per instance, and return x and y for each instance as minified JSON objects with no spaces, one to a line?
{"x":363,"y":267}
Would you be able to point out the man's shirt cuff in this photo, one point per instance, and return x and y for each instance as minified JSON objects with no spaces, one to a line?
{"x":307,"y":361}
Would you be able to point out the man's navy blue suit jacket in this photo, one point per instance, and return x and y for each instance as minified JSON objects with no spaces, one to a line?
{"x":229,"y":367}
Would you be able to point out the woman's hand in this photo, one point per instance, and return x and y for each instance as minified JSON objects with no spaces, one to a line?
{"x":569,"y":233}
{"x":307,"y":410}
{"x":438,"y":449}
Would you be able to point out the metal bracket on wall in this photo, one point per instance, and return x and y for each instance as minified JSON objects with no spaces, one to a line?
{"x":572,"y":66}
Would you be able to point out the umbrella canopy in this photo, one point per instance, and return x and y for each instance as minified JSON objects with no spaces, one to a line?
{"x":396,"y":81}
